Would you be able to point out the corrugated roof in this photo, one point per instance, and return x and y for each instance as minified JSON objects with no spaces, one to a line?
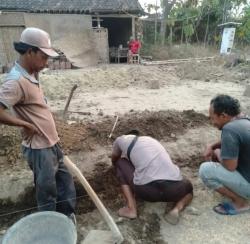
{"x":72,"y":6}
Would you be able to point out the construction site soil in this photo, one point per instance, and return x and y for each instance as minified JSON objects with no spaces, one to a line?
{"x":82,"y":137}
{"x":85,"y":136}
{"x":174,"y":112}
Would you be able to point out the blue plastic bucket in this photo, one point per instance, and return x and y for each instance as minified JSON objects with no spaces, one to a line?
{"x":46,"y":227}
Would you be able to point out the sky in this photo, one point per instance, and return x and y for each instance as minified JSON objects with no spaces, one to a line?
{"x":142,"y":2}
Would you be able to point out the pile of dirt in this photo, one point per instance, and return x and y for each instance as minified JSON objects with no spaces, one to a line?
{"x":57,"y":85}
{"x":84,"y":136}
{"x":192,"y":162}
{"x":213,"y":70}
{"x":102,"y":180}
{"x":162,"y":124}
{"x":105,"y":183}
{"x":11,"y":213}
{"x":9,"y":145}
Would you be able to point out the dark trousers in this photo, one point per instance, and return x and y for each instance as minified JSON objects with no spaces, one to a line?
{"x":52,"y":180}
{"x":155,"y":191}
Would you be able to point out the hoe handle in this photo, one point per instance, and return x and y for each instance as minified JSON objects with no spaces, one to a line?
{"x":117,"y":236}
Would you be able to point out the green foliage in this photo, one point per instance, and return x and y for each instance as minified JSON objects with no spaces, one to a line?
{"x":185,"y":18}
{"x":188,"y":30}
{"x":197,"y":21}
{"x":243,"y":32}
{"x":151,"y":7}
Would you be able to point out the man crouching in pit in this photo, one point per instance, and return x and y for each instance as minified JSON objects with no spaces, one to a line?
{"x":145,"y":170}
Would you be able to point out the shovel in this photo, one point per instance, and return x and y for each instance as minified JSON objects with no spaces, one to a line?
{"x":115,"y":237}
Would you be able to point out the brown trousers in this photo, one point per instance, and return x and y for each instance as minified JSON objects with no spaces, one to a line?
{"x":155,"y":191}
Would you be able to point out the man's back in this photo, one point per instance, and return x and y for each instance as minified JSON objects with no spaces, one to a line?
{"x":236,"y":144}
{"x":151,"y":160}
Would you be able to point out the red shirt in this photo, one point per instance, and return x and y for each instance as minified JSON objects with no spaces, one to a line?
{"x":134,"y":46}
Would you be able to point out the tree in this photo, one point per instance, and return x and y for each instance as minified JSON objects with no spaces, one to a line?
{"x":193,"y":20}
{"x":154,"y":7}
{"x":186,"y":15}
{"x":243,"y":32}
{"x":167,"y":5}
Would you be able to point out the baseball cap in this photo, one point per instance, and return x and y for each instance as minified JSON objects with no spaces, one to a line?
{"x":38,"y":38}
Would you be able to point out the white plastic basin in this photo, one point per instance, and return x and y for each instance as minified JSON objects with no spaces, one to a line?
{"x":46,"y":227}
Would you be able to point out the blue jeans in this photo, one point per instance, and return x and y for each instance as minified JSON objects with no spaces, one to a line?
{"x":215,"y":176}
{"x":52,"y":180}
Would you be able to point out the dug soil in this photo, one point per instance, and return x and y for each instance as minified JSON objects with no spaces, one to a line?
{"x":168,"y":103}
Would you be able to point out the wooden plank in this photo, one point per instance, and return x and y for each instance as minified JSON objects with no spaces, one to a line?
{"x":176,"y":61}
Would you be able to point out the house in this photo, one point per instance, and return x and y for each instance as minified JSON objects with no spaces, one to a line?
{"x":83,"y":30}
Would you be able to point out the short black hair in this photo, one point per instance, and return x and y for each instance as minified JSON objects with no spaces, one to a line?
{"x":133,"y":132}
{"x":22,"y":48}
{"x":226,"y":104}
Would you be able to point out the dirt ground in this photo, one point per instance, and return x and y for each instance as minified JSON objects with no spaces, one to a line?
{"x":167,"y":102}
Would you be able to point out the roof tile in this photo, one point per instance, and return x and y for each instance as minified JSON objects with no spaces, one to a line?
{"x":69,"y":5}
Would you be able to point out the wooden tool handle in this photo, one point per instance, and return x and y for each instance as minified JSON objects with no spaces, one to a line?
{"x":117,"y":236}
{"x":69,"y":99}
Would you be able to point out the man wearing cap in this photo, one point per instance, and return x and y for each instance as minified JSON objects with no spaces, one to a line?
{"x":21,"y":91}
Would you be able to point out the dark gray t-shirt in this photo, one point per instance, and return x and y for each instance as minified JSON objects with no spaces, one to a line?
{"x":235,"y":144}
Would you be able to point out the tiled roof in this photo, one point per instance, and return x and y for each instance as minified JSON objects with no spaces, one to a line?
{"x":72,"y":6}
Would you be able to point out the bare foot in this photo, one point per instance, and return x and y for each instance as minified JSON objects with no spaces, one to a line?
{"x":169,"y":206}
{"x":241,"y":205}
{"x":127,"y":212}
{"x":173,"y":217}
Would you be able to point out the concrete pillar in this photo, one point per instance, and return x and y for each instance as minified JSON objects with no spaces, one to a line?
{"x":98,"y":22}
{"x":133,"y":27}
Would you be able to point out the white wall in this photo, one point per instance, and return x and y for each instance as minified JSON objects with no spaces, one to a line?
{"x":71,"y":33}
{"x":11,"y":26}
